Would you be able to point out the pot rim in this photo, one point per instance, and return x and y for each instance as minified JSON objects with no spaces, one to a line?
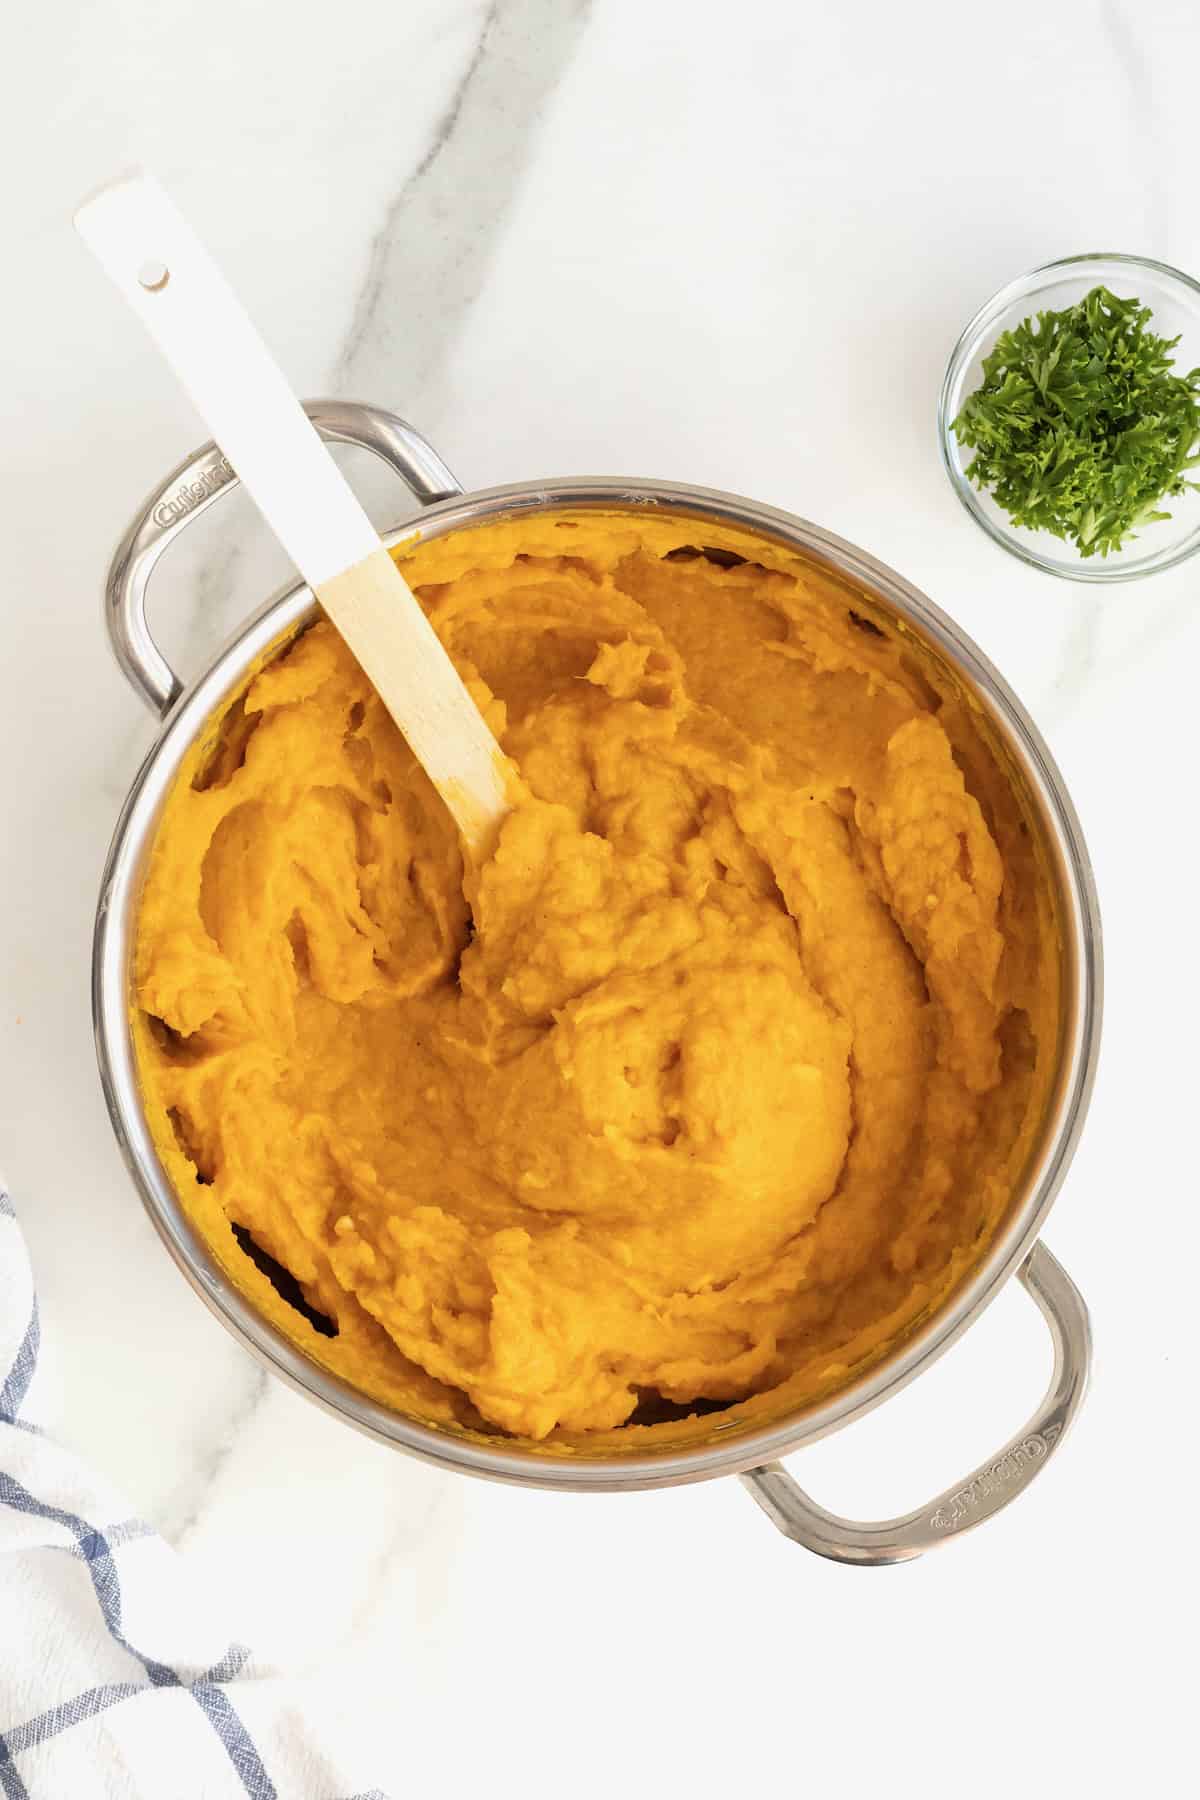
{"x":916,"y":1350}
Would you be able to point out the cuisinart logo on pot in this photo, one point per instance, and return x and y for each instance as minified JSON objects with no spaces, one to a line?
{"x":957,"y":1508}
{"x":189,"y":494}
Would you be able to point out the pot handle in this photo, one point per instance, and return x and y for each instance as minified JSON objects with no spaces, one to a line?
{"x":983,"y":1493}
{"x":192,"y":488}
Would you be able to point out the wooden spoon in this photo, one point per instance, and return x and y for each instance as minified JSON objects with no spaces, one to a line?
{"x":146,"y":245}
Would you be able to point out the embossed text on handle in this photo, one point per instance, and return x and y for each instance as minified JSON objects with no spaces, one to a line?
{"x":189,"y":494}
{"x":956,"y":1509}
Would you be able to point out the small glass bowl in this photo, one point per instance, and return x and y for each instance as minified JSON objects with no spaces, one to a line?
{"x":1174,"y":299}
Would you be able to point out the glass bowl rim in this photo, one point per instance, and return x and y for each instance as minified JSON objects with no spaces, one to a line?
{"x":969,"y":338}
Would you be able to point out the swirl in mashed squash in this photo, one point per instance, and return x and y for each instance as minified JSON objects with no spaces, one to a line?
{"x":714,"y":1077}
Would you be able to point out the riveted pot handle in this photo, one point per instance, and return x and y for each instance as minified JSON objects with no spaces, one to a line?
{"x":193,"y":487}
{"x":983,"y":1493}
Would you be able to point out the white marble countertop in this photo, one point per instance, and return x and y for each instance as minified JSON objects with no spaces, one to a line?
{"x":727,"y":246}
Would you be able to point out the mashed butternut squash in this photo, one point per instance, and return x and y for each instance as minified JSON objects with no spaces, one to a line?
{"x":714,"y":1076}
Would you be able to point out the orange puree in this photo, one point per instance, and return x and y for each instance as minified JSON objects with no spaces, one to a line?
{"x":714,"y":1076}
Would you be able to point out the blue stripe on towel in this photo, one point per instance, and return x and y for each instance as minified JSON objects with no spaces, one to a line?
{"x":96,"y":1552}
{"x":237,"y":1741}
{"x":127,"y":1532}
{"x":16,"y":1384}
{"x":230,"y":1665}
{"x":70,"y":1712}
{"x":11,"y":1785}
{"x":94,"y":1548}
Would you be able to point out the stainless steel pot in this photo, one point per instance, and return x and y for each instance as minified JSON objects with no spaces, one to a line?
{"x":752,"y":1454}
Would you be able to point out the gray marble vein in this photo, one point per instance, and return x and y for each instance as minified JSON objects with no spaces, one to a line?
{"x":121,"y":750}
{"x":205,"y":625}
{"x":1127,"y":39}
{"x":428,"y":260}
{"x":393,"y":1564}
{"x":183,"y":1511}
{"x":430,"y":256}
{"x":1078,"y":660}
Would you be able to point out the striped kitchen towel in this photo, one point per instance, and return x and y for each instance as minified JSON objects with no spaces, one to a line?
{"x":115,"y":1679}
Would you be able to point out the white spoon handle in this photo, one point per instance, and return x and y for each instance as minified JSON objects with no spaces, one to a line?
{"x":151,"y":253}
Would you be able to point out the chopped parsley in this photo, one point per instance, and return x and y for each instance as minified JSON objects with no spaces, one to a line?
{"x":1081,"y":427}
